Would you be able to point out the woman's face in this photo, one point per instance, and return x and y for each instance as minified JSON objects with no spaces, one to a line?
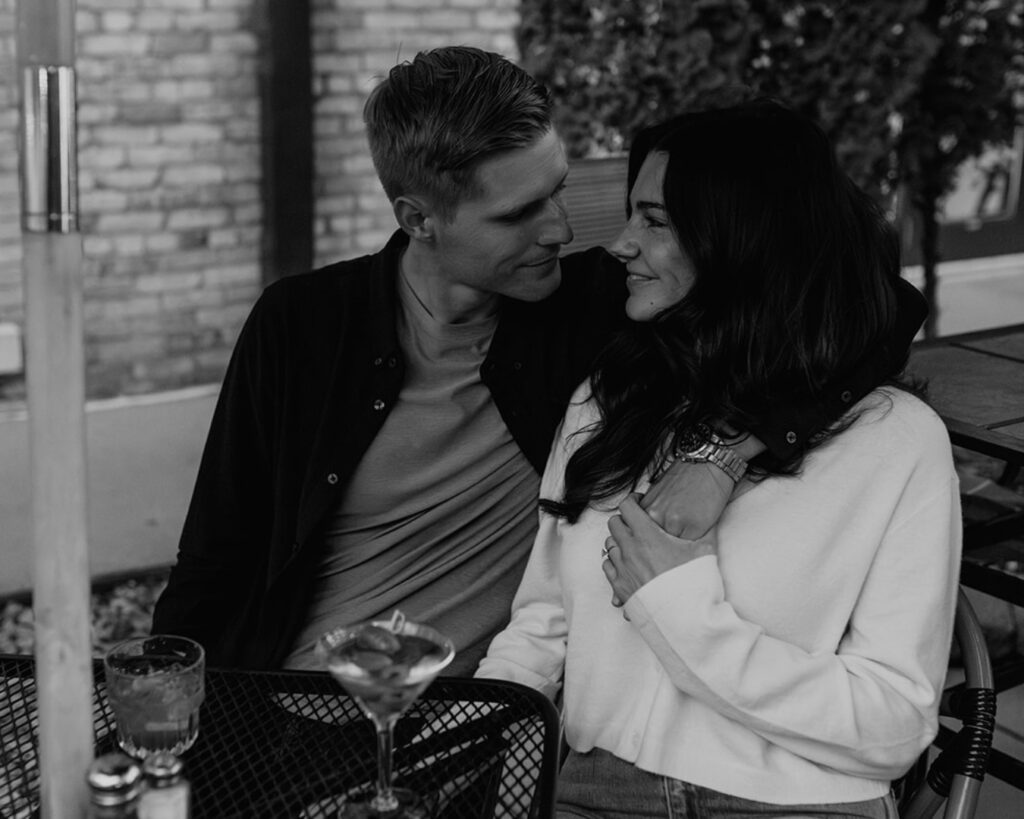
{"x":659,"y":272}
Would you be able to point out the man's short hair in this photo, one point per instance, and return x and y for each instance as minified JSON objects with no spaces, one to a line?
{"x":433,"y":120}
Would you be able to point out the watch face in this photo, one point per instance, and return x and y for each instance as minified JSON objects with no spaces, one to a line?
{"x":691,"y":440}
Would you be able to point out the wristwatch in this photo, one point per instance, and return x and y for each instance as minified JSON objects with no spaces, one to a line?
{"x":700,"y":444}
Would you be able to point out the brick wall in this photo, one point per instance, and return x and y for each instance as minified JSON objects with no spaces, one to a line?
{"x":169,"y":163}
{"x":169,"y":166}
{"x":355,"y":42}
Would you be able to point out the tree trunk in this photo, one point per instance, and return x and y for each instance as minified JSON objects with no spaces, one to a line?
{"x":928,"y":206}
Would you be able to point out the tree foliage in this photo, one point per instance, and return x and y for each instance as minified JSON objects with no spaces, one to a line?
{"x":847,"y":65}
{"x":617,"y":65}
{"x":970,"y":98}
{"x":906,"y":90}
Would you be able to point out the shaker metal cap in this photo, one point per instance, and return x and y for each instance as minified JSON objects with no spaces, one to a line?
{"x":114,"y":778}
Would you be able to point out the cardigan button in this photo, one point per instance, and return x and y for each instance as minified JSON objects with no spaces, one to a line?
{"x":790,"y":437}
{"x":378,"y":405}
{"x":392,"y":362}
{"x":378,"y":361}
{"x":846,"y":396}
{"x":332,"y":478}
{"x":517,"y":366}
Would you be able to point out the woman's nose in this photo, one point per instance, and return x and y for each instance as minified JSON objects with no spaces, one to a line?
{"x":624,"y":247}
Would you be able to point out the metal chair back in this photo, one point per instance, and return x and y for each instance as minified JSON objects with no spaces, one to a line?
{"x":955,"y":777}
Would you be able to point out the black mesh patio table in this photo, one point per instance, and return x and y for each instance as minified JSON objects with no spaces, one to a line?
{"x":293,"y":744}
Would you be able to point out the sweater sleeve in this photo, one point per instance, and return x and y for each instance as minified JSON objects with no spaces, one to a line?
{"x":870,"y":707}
{"x":531,"y":649}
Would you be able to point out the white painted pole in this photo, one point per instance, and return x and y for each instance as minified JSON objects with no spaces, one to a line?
{"x":52,"y":260}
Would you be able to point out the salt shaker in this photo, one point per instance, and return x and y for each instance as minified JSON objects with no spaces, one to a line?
{"x":167,"y":792}
{"x":115,"y":783}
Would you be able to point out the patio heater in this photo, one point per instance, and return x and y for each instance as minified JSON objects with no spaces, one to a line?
{"x":52,"y":261}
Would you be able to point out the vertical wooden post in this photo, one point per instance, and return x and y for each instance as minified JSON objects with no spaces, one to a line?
{"x":286,"y":125}
{"x":52,"y":254}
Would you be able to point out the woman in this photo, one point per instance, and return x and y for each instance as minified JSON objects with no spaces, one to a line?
{"x":790,"y":662}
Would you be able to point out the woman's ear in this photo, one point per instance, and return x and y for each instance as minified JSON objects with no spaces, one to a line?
{"x":416,"y":217}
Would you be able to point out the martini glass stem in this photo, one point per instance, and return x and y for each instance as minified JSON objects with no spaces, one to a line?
{"x":385,"y":799}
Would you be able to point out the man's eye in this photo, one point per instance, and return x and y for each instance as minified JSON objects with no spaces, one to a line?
{"x":532,"y":208}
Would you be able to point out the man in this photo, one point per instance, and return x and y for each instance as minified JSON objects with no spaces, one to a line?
{"x":384,"y":421}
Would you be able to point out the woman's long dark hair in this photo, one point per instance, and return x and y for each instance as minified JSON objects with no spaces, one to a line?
{"x":795,"y":283}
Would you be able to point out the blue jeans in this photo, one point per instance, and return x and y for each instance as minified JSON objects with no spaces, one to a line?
{"x":599,"y":785}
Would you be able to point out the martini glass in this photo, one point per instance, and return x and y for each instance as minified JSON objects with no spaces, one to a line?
{"x":385,"y":665}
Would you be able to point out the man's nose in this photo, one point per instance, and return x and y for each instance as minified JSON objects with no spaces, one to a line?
{"x":557,"y":230}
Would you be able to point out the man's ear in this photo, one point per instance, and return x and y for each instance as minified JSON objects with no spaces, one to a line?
{"x":416,"y":217}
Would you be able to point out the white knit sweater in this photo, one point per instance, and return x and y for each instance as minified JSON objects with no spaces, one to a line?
{"x":803,"y":663}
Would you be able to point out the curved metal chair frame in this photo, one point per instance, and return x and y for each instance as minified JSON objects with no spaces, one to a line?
{"x":956,"y":775}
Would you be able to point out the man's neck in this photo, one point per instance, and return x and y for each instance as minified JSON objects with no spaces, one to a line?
{"x":447,"y":301}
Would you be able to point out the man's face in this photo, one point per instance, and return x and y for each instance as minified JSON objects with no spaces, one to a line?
{"x":506,"y":241}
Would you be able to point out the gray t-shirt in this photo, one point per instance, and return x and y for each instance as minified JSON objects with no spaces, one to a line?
{"x":441,"y":512}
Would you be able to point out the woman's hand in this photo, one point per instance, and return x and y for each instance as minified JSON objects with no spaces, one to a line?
{"x":638,"y":550}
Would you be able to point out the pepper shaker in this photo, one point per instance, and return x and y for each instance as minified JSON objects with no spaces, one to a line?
{"x":167,"y":792}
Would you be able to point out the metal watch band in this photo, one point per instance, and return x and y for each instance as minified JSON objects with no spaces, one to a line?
{"x":725,"y":459}
{"x":713,"y":449}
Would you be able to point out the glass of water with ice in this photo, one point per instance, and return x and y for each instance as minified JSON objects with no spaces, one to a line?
{"x":155,"y":687}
